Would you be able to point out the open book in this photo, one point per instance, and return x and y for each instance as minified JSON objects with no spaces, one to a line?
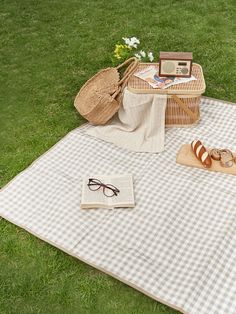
{"x":100,"y":196}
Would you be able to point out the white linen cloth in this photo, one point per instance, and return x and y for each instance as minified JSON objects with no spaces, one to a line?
{"x":139,"y":124}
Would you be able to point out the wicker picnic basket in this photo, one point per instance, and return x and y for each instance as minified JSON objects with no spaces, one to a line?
{"x":183,"y":100}
{"x":100,"y":97}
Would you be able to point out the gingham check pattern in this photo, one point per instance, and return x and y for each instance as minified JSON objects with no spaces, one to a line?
{"x":178,"y":244}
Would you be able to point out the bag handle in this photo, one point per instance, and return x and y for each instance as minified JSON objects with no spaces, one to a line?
{"x":133,"y":63}
{"x":185,"y":108}
{"x":130,"y":60}
{"x":116,"y":92}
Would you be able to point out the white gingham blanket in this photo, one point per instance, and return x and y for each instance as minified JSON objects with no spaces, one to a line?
{"x":178,"y":245}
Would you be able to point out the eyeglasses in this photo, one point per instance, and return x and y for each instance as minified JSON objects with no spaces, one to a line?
{"x":109,"y":190}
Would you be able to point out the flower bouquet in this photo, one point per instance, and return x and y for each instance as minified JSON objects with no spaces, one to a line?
{"x":130,"y":48}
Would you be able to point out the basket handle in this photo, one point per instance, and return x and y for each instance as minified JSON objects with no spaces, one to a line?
{"x":133,"y":64}
{"x":116,"y":92}
{"x":126,"y":62}
{"x":185,"y":108}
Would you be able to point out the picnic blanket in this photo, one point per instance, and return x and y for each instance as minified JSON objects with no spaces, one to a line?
{"x":139,"y":124}
{"x":178,"y":245}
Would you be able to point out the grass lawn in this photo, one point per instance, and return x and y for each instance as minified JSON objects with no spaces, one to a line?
{"x":48,"y":49}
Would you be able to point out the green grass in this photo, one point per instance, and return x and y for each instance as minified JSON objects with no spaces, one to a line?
{"x":48,"y":49}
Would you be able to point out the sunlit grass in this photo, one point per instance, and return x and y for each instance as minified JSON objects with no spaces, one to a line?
{"x":48,"y":50}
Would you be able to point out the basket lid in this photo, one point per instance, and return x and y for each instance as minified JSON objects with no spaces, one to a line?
{"x":197,"y":87}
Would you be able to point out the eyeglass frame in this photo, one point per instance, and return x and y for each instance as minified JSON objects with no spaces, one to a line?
{"x":100,"y":184}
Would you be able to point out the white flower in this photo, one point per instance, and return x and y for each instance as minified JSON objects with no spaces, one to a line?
{"x":150,"y":56}
{"x":126,"y":40}
{"x":137,"y":56}
{"x":142,"y":53}
{"x":132,"y":42}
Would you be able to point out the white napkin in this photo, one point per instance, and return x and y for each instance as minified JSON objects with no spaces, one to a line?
{"x":139,"y":124}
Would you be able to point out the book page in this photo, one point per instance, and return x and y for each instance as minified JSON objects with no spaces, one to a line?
{"x":93,"y":197}
{"x":126,"y":196}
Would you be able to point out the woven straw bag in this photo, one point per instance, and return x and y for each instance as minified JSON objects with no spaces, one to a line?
{"x":99,"y":98}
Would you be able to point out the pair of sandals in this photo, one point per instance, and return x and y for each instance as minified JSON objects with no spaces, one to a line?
{"x":225,"y":156}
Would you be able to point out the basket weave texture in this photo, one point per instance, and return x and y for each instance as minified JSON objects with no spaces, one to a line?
{"x":99,"y":98}
{"x":188,"y":93}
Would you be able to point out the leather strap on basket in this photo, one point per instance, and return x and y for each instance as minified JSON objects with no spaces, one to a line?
{"x":185,"y":108}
